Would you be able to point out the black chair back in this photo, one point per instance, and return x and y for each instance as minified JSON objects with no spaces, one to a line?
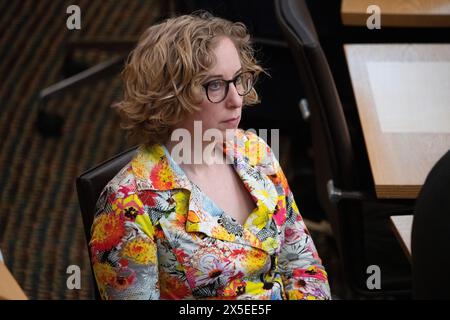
{"x":341,"y":183}
{"x":332,"y":146}
{"x":89,"y":186}
{"x":430,"y":236}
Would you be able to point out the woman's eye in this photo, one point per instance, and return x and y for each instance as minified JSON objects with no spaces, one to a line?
{"x":215,"y":85}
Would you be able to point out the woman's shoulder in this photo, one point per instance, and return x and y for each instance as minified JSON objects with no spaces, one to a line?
{"x":255,"y":150}
{"x":123,"y":180}
{"x":137,"y":174}
{"x":142,"y":162}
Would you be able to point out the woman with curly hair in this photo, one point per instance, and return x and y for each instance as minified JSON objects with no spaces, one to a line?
{"x":208,"y":229}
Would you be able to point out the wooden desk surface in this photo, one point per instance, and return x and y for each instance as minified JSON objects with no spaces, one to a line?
{"x":398,"y":13}
{"x":403,"y":98}
{"x":9,"y":288}
{"x":402,"y":226}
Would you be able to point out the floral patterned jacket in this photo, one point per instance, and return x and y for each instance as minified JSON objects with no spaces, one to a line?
{"x":157,"y":236}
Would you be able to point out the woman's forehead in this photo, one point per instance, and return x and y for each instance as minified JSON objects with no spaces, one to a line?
{"x":227,"y":58}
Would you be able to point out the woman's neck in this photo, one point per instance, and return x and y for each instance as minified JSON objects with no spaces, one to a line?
{"x":197,"y":158}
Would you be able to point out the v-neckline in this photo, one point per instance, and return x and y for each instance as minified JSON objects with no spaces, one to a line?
{"x":219,"y":208}
{"x":262,"y":190}
{"x":253,"y":197}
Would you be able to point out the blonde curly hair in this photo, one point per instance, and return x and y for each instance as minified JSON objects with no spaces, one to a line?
{"x":163,"y":74}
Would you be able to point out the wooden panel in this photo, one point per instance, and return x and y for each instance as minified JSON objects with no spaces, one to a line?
{"x":403,"y":99}
{"x":9,"y":288}
{"x":398,"y":13}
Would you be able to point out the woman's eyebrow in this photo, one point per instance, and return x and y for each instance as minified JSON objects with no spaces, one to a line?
{"x":240,"y":70}
{"x":220,"y":76}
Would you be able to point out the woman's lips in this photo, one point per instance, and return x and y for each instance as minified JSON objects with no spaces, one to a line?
{"x":232,"y":121}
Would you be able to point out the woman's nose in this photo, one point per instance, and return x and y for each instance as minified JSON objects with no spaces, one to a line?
{"x":233,"y":99}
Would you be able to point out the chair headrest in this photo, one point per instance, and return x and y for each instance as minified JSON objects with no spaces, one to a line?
{"x":297,"y":17}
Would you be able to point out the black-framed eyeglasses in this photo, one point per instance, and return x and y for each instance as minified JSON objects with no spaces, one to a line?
{"x":217,"y":90}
